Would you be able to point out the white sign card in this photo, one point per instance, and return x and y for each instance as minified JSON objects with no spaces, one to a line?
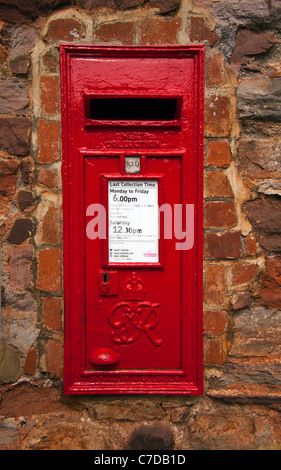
{"x":133,"y":221}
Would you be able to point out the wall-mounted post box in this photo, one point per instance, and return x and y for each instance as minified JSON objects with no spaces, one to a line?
{"x":132,"y":131}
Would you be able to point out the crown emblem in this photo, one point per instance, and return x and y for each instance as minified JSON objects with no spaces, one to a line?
{"x":134,"y":289}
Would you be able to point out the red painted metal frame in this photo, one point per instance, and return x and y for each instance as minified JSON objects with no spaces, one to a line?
{"x":133,"y":381}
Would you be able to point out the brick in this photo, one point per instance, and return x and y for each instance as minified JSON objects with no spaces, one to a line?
{"x":215,"y":322}
{"x":20,"y":267}
{"x":215,"y":71}
{"x":54,"y":355}
{"x":218,"y":185}
{"x":215,"y":291}
{"x":118,"y":31}
{"x":200,"y":32}
{"x":30,"y":361}
{"x":49,"y":86}
{"x":49,"y":141}
{"x":212,"y":351}
{"x":64,"y":29}
{"x":50,"y":226}
{"x":222,"y":246}
{"x":219,"y":214}
{"x":48,"y":178}
{"x":218,"y":154}
{"x":217,"y":116}
{"x":159,"y":31}
{"x":251,"y":244}
{"x":49,"y":270}
{"x":52,"y":311}
{"x":242,"y":273}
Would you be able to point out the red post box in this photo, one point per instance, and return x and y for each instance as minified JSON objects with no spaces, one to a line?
{"x":132,"y":133}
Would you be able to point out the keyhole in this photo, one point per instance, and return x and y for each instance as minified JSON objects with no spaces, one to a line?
{"x":105,"y":278}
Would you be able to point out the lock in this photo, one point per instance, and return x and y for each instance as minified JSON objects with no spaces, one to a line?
{"x":108,"y":282}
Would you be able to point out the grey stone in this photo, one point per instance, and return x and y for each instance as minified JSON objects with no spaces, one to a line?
{"x":13,"y":96}
{"x":22,"y":42}
{"x":260,"y":99}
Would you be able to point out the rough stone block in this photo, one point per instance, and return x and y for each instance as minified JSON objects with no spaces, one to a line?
{"x":20,"y":261}
{"x":260,"y":99}
{"x":15,"y":135}
{"x":13,"y":96}
{"x":264,"y":216}
{"x":21,"y":231}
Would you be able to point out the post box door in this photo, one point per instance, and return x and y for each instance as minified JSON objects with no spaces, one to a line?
{"x":130,"y":311}
{"x":132,"y":121}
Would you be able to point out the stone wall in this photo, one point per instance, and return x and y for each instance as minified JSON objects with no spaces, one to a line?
{"x":240,"y":408}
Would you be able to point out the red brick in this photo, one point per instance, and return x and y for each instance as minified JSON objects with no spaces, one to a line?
{"x":212,"y":351}
{"x":215,"y":291}
{"x":159,"y":31}
{"x":30,"y":362}
{"x":64,"y":29}
{"x":215,"y":322}
{"x":50,"y":226}
{"x":217,"y":116}
{"x":49,"y":86}
{"x":48,"y":140}
{"x":223,"y":246}
{"x":215,"y":71}
{"x":242,"y":273}
{"x":218,"y":185}
{"x":52,"y":310}
{"x":219,"y":214}
{"x":54,"y":354}
{"x":200,"y":32}
{"x":218,"y":154}
{"x":48,"y":178}
{"x":49,"y":270}
{"x":119,"y":31}
{"x":251,"y":244}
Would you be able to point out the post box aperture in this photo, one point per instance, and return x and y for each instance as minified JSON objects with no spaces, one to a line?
{"x":132,"y":133}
